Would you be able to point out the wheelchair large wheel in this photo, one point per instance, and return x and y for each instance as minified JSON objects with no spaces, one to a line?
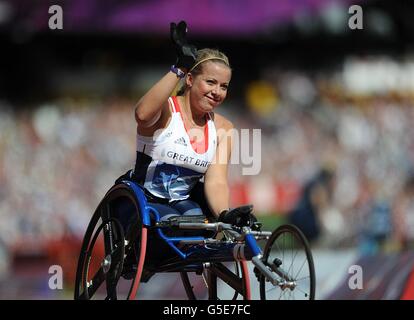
{"x":231,"y":279}
{"x":288,"y":254}
{"x":113,"y":251}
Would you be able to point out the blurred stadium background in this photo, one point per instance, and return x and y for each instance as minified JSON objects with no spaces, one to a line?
{"x":327,"y":99}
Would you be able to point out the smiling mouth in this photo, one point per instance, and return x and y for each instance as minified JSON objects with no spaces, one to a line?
{"x":212,"y":100}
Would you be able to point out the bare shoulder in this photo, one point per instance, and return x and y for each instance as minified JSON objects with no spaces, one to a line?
{"x":222,"y":122}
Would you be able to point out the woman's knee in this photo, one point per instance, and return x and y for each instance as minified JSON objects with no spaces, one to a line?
{"x":165,"y":211}
{"x":188,"y":207}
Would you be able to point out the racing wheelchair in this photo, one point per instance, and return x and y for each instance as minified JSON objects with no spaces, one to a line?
{"x":126,"y":243}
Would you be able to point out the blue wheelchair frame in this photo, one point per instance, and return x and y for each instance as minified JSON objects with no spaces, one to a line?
{"x":202,"y":255}
{"x":146,"y":209}
{"x":188,"y":253}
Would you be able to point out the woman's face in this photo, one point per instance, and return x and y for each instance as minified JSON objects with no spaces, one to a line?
{"x":209,"y":88}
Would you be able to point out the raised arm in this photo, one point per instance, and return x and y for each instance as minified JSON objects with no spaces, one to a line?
{"x":149,"y":108}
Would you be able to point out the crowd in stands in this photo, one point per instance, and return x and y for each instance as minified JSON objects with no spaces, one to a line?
{"x":58,"y":159}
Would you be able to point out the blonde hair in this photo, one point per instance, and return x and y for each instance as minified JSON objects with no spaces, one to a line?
{"x":204,"y":55}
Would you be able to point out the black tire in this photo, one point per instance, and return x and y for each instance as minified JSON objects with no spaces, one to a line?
{"x":205,"y":285}
{"x":290,"y":247}
{"x":114,"y":232}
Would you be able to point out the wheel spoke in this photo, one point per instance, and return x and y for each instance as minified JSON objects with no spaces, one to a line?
{"x":119,"y":205}
{"x":227,"y":274}
{"x":293,"y":259}
{"x":300,"y":279}
{"x":94,"y":284}
{"x":304,"y":292}
{"x":284,"y":239}
{"x":303,"y":264}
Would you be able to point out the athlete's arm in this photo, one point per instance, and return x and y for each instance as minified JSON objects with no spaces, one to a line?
{"x":216,"y":187}
{"x":149,"y":107}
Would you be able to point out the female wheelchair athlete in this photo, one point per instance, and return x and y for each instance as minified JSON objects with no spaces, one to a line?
{"x":126,"y":243}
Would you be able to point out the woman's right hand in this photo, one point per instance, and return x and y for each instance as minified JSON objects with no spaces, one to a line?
{"x":186,"y":53}
{"x":241,"y":216}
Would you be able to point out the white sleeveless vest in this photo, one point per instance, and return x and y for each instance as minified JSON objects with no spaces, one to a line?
{"x":167,"y":166}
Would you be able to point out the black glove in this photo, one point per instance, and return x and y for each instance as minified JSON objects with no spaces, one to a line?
{"x":240,"y":216}
{"x":186,"y":53}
